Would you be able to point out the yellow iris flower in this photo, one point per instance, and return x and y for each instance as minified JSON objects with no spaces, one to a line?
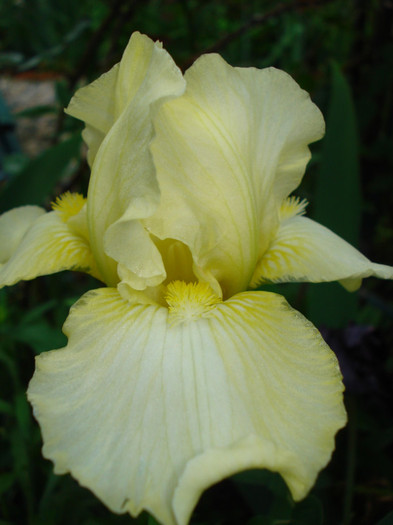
{"x":174,"y":375}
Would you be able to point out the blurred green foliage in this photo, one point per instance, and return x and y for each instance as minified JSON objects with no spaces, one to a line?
{"x":341,"y":52}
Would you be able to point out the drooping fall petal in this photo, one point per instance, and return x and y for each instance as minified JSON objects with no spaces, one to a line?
{"x":148,"y":408}
{"x":123,"y":186}
{"x":41,"y":244}
{"x":13,"y":226}
{"x":304,"y":250}
{"x":227,"y":152}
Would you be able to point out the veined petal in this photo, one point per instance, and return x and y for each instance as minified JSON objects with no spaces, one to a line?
{"x":42,"y":246}
{"x":149,"y":413}
{"x":304,"y":250}
{"x":123,"y":186}
{"x":227,"y":152}
{"x":13,"y":226}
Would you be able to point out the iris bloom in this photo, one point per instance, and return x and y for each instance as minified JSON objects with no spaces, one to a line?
{"x":174,"y":375}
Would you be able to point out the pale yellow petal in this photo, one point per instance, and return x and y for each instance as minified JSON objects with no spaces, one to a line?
{"x":139,"y":261}
{"x":94,"y":104}
{"x":123,"y":186}
{"x":227,"y":153}
{"x":13,"y":226}
{"x":304,"y":250}
{"x":93,"y":138}
{"x":148,"y":413}
{"x":48,"y":245}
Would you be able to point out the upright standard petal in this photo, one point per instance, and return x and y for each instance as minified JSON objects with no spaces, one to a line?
{"x":123,"y":186}
{"x":102,"y":102}
{"x":95,"y":105}
{"x":227,"y":152}
{"x":43,"y":243}
{"x":304,"y":250}
{"x":148,"y":407}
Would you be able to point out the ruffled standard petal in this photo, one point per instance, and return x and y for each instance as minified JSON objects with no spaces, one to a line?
{"x":148,"y":413}
{"x":95,"y":105}
{"x":227,"y":152}
{"x":123,"y":186}
{"x":43,"y":246}
{"x":304,"y":250}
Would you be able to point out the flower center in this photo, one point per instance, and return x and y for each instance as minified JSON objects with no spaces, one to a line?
{"x":292,"y":206}
{"x":68,"y":204}
{"x":190,"y":301}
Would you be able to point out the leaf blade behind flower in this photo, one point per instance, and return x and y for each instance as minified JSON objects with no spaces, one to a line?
{"x":338,"y":187}
{"x":38,"y":179}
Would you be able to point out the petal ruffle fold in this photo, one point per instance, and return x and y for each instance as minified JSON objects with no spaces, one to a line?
{"x":148,"y":414}
{"x":304,"y":250}
{"x":96,"y":107}
{"x":42,"y":246}
{"x":123,"y":186}
{"x":227,"y":152}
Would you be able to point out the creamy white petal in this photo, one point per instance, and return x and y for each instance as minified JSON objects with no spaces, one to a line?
{"x":227,"y":152}
{"x":123,"y":186}
{"x":48,"y":245}
{"x":304,"y":250}
{"x":13,"y":226}
{"x":148,"y":413}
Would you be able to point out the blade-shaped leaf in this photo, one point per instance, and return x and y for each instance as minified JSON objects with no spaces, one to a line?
{"x":337,"y":203}
{"x":38,"y":178}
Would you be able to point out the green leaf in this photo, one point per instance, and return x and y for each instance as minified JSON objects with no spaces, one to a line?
{"x":40,"y":176}
{"x":387,"y":520}
{"x":40,"y":336}
{"x":36,"y":313}
{"x":19,"y":454}
{"x":35,"y":330}
{"x":259,"y":520}
{"x":10,"y":59}
{"x":36,"y":111}
{"x":337,"y":203}
{"x":63,"y":93}
{"x":23,"y":415}
{"x":265,"y":493}
{"x":3,"y":307}
{"x":5,"y":408}
{"x":9,"y":364}
{"x":307,"y":512}
{"x":14,"y":163}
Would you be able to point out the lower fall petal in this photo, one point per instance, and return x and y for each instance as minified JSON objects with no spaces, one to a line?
{"x":148,"y":413}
